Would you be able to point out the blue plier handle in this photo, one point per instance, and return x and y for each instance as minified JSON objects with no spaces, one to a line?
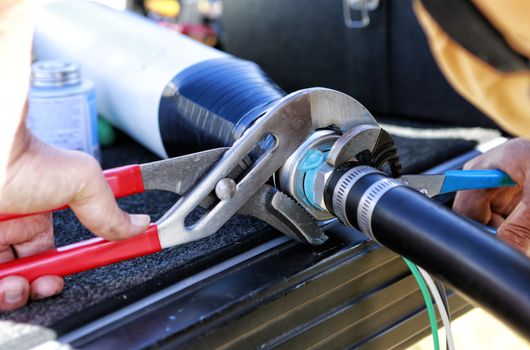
{"x":458,"y":180}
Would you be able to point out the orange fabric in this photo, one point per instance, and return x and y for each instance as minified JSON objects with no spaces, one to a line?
{"x":505,"y":97}
{"x":510,"y":17}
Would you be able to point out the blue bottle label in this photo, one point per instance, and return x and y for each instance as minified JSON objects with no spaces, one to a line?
{"x":62,"y":121}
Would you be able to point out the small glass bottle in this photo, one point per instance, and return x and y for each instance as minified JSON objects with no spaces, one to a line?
{"x":62,"y":107}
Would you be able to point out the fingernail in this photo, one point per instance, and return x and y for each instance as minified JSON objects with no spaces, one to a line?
{"x":140,"y":220}
{"x":12,"y":295}
{"x":37,"y":296}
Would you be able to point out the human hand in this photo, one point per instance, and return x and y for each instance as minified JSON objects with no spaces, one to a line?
{"x":507,"y":208}
{"x":40,"y":177}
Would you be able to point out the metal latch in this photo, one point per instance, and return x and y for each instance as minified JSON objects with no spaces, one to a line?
{"x":361,"y":6}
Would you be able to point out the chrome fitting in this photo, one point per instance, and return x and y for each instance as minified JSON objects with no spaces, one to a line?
{"x":321,"y":178}
{"x":291,"y":175}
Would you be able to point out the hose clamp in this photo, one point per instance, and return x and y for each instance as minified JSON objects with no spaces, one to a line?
{"x":346,"y":182}
{"x":369,"y":200}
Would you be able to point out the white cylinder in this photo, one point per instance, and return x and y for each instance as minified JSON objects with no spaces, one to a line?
{"x":129,"y":58}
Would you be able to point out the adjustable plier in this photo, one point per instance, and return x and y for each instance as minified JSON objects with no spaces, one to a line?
{"x":223,"y":181}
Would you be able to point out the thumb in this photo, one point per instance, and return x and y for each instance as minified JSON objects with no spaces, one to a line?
{"x":516,"y":229}
{"x":96,"y":207}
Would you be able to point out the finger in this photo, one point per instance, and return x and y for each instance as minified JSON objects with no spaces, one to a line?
{"x":14,"y":293}
{"x":506,"y":157}
{"x":516,"y":229}
{"x":46,"y":286}
{"x":19,"y":231}
{"x":496,"y":220}
{"x":23,"y":229}
{"x":6,"y":253}
{"x":96,"y":207}
{"x":474,"y":204}
{"x":39,"y":230}
{"x":505,"y":200}
{"x":478,"y":162}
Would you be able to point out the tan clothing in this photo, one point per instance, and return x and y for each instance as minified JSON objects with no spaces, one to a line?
{"x":505,"y":97}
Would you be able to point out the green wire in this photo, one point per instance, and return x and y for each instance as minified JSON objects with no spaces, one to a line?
{"x":428,"y":301}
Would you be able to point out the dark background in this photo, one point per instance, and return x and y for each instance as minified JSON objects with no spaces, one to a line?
{"x":387,"y":66}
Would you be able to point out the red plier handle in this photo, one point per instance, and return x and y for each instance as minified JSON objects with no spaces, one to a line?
{"x":92,"y":253}
{"x":82,"y":256}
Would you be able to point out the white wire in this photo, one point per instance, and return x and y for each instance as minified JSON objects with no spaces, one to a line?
{"x":441,"y":308}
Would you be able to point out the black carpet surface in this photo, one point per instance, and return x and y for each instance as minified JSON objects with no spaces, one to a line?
{"x":94,"y":293}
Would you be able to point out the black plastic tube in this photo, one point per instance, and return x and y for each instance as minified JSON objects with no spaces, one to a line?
{"x":475,"y":262}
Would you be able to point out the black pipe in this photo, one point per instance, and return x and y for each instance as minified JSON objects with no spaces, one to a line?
{"x":445,"y":244}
